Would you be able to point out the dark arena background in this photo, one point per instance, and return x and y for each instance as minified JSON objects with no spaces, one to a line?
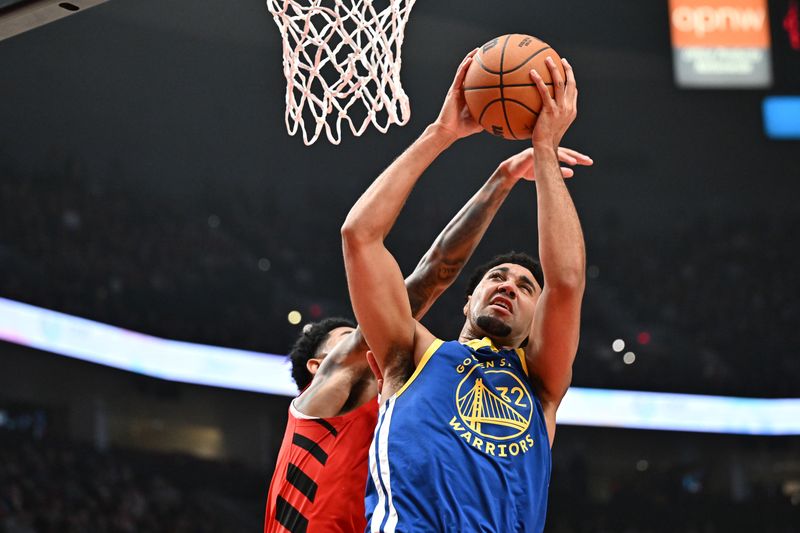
{"x":148,"y":182}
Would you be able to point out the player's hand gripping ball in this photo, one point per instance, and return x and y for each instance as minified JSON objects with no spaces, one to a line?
{"x":498,"y":87}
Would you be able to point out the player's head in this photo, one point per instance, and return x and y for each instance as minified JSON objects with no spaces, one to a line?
{"x":502,"y":295}
{"x":313,"y":344}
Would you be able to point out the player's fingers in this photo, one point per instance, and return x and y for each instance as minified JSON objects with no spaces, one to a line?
{"x":567,"y":172}
{"x":544,"y":93}
{"x":522,"y":163}
{"x":526,"y":153}
{"x":580,"y":158}
{"x":571,"y":85}
{"x":458,"y":81}
{"x":558,"y":80}
{"x":564,"y":157}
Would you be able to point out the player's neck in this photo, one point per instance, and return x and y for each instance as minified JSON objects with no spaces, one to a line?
{"x":470,"y":332}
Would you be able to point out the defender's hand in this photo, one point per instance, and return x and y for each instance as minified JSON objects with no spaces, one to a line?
{"x":558,"y":111}
{"x":455,"y":117}
{"x":520,"y":166}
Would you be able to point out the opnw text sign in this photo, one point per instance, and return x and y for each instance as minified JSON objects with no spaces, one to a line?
{"x":720,"y":43}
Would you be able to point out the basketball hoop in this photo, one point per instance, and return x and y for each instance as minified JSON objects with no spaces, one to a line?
{"x":341,"y":60}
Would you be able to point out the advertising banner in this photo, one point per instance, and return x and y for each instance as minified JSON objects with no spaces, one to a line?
{"x":720,"y":43}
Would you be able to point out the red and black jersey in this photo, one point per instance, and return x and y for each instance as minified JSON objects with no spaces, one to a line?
{"x":321,"y":474}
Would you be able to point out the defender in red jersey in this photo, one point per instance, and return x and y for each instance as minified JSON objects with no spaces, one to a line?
{"x":324,"y":464}
{"x":320,"y":478}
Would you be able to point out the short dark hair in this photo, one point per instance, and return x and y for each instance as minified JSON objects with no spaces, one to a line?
{"x":517,"y":258}
{"x":307,"y":346}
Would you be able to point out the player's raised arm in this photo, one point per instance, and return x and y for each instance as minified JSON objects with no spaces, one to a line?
{"x":554,"y":336}
{"x":377,"y":292}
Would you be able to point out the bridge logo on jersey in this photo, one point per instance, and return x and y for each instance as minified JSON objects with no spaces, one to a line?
{"x":494,"y":403}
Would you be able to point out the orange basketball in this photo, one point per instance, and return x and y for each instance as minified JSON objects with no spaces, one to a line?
{"x":498,"y":88}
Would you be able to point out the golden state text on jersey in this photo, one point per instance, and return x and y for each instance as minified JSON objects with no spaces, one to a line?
{"x":462,"y":446}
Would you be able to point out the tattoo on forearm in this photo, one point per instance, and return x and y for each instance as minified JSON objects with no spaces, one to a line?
{"x":454,"y":246}
{"x":421,"y":290}
{"x":468,"y":227}
{"x":447,"y":272}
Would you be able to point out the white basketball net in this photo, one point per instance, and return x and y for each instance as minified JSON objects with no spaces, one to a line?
{"x":341,"y":59}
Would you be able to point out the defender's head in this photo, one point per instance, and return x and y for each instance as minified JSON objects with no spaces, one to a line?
{"x":502,"y":296}
{"x":311,"y":347}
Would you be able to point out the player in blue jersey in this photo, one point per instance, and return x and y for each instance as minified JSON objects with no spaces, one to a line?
{"x":464,"y":433}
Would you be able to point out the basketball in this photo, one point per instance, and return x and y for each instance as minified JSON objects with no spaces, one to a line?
{"x":499,"y":91}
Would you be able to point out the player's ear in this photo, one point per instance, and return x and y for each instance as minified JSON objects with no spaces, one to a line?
{"x":466,"y":305}
{"x":313,"y":365}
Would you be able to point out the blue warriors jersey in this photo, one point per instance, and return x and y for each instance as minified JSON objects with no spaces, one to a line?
{"x":461,"y":447}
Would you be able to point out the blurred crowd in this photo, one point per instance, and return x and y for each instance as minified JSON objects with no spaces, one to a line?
{"x":706,"y":305}
{"x":715,"y":302}
{"x":48,"y":487}
{"x":113,"y":253}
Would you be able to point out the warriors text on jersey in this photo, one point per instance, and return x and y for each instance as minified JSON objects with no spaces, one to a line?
{"x":462,"y":446}
{"x":321,"y":473}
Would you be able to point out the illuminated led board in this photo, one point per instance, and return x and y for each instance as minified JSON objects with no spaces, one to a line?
{"x":265,"y":373}
{"x":91,"y":341}
{"x":720,"y":43}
